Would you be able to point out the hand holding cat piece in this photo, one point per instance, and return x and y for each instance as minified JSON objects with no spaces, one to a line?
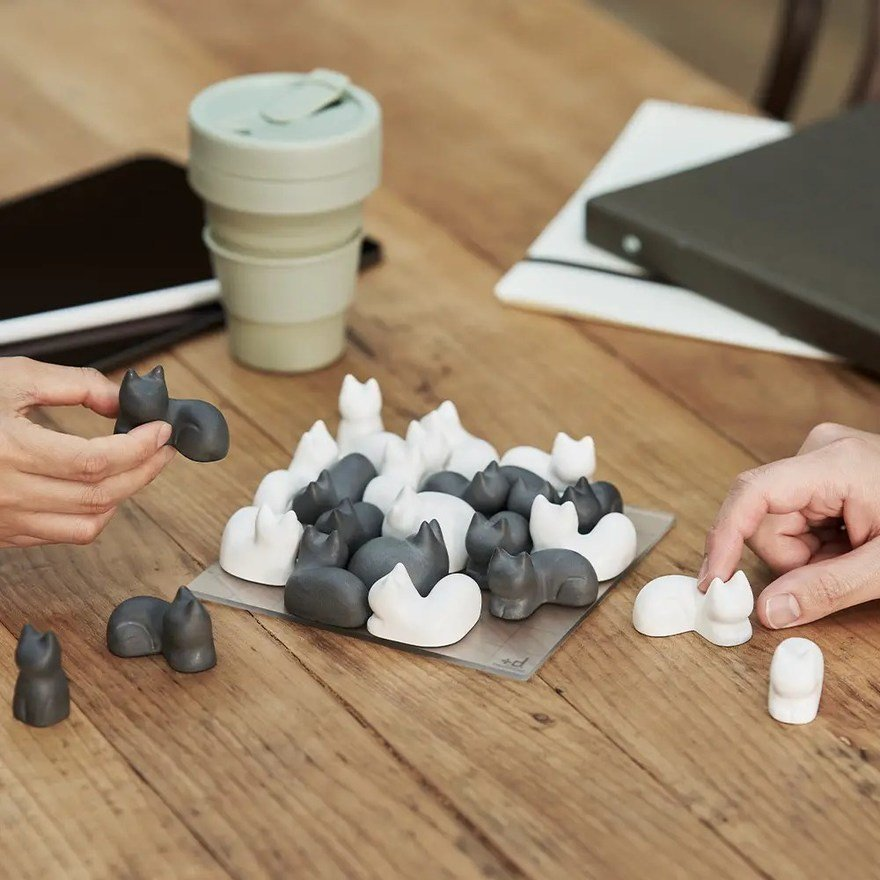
{"x":59,"y":488}
{"x":198,"y":429}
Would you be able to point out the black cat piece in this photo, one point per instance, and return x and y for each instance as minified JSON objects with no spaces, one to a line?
{"x":42,"y":694}
{"x":423,"y":554}
{"x":188,"y":637}
{"x":447,"y":482}
{"x":505,"y":529}
{"x":320,"y":590}
{"x":198,"y":429}
{"x":346,"y":479}
{"x":519,"y":585}
{"x":609,"y":497}
{"x":586,"y":503}
{"x":136,"y":626}
{"x":356,"y":523}
{"x":523,"y":494}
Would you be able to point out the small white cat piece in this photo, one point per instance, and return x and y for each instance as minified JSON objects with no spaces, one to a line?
{"x":443,"y":617}
{"x":610,"y":547}
{"x":402,"y":468}
{"x":469,"y":454}
{"x":260,"y":546}
{"x":673,"y":604}
{"x":797,"y":672}
{"x":411,"y":509}
{"x":564,"y":465}
{"x":360,"y":408}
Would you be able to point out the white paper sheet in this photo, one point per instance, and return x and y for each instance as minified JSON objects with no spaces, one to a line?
{"x":661,"y":138}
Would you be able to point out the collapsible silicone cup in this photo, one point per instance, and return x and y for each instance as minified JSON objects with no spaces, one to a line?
{"x":283,"y":162}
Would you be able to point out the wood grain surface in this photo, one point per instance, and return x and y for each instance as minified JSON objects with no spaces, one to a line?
{"x":305,"y":754}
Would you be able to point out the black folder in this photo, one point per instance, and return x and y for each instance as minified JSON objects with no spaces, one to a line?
{"x":788,"y":233}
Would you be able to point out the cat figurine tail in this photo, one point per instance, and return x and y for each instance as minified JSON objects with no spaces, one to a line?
{"x":42,"y":694}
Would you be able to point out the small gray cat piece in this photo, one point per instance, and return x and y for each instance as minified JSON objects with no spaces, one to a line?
{"x":42,"y":693}
{"x":586,"y":503}
{"x":523,"y":494}
{"x":505,"y":529}
{"x":487,"y":492}
{"x":344,"y":480}
{"x":356,"y":523}
{"x":180,"y":630}
{"x":320,"y":589}
{"x":519,"y":585}
{"x":609,"y":496}
{"x":198,"y":429}
{"x":423,"y":554}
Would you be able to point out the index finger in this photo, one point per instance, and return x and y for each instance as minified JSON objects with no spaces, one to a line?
{"x":45,"y":384}
{"x":69,"y":457}
{"x":783,"y":487}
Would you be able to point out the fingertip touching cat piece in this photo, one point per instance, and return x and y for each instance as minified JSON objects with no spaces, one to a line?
{"x":674,"y":604}
{"x":198,"y":429}
{"x":400,"y":613}
{"x":42,"y":693}
{"x":180,"y":630}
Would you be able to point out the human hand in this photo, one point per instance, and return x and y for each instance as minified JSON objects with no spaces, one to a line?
{"x":814,"y":519}
{"x":59,"y":488}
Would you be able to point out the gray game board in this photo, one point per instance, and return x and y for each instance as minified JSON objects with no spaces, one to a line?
{"x":515,"y":649}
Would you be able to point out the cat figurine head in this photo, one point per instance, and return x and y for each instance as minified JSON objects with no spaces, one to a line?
{"x":392,"y":594}
{"x":319,"y":549}
{"x":488,"y":491}
{"x":144,"y":398}
{"x":484,"y":536}
{"x":588,"y":506}
{"x":359,"y":400}
{"x":259,"y":545}
{"x":432,"y":445}
{"x":572,"y":459}
{"x":797,"y":669}
{"x":37,"y":653}
{"x":511,"y":577}
{"x":356,"y":523}
{"x":188,"y":637}
{"x":273,"y":529}
{"x":403,"y":462}
{"x":522,"y":496}
{"x":445,"y":420}
{"x":319,"y":496}
{"x":316,"y":449}
{"x":551,"y":524}
{"x":404,"y":516}
{"x":730,"y":602}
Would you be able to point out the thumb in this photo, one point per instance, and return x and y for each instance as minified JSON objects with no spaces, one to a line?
{"x":820,"y":588}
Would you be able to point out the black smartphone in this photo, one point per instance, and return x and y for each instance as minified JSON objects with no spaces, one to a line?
{"x":127,"y":229}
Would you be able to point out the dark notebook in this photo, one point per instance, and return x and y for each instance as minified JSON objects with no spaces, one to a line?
{"x":788,"y":233}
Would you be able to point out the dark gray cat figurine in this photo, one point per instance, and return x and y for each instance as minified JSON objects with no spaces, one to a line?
{"x":320,"y":589}
{"x":609,"y":497}
{"x":188,"y":637}
{"x":346,"y":479}
{"x":356,"y":522}
{"x":487,"y":492}
{"x":136,"y":626}
{"x":42,"y":694}
{"x":198,"y":429}
{"x":523,"y":494}
{"x":586,"y":503}
{"x":519,"y":585}
{"x":424,"y":556}
{"x":506,"y":529}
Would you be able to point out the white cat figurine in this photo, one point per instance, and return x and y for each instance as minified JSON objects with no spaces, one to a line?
{"x":260,"y":546}
{"x":315,"y":451}
{"x":443,"y":617}
{"x":411,"y":509}
{"x":433,"y":447}
{"x":564,"y":465}
{"x":469,"y":454}
{"x":360,"y":409}
{"x":610,"y":547}
{"x":674,"y":604}
{"x":797,"y":672}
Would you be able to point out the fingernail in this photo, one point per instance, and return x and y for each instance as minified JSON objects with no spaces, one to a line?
{"x":782,"y":610}
{"x":163,"y":436}
{"x":703,"y":572}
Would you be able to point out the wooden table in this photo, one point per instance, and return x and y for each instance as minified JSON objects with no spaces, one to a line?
{"x":308,"y":755}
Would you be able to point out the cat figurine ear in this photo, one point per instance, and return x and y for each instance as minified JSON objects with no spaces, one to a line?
{"x":315,"y":451}
{"x":321,"y":550}
{"x":42,"y":694}
{"x":259,"y":545}
{"x":588,"y":506}
{"x":188,"y":637}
